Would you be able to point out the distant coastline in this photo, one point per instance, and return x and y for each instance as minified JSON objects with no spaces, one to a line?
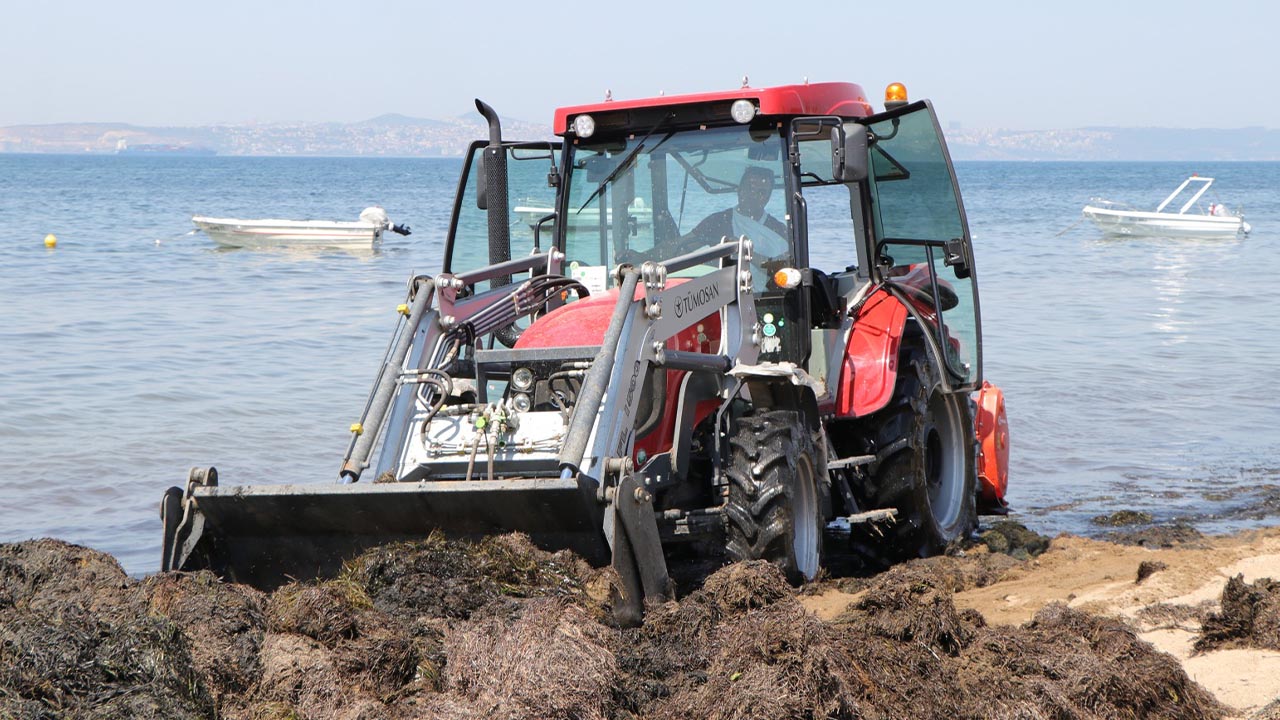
{"x":1148,"y":144}
{"x":402,"y":136}
{"x":166,"y":149}
{"x":383,"y":136}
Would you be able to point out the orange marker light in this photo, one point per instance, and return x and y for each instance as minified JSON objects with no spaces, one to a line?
{"x":787,"y":278}
{"x":895,"y":93}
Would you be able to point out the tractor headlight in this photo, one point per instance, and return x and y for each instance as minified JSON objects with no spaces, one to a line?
{"x":584,"y":126}
{"x":743,"y":111}
{"x":521,"y":402}
{"x":522,"y":379}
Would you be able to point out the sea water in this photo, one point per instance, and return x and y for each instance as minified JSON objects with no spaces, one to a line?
{"x":1139,"y":372}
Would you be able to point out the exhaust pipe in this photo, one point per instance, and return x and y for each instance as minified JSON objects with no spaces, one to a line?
{"x":498,"y":206}
{"x":495,"y":191}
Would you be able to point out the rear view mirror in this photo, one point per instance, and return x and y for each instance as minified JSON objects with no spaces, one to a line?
{"x":762,"y":150}
{"x":849,"y":153}
{"x":482,"y":200}
{"x":955,"y":258}
{"x":598,"y":168}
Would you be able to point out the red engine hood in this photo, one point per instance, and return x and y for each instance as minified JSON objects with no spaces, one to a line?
{"x":579,"y":323}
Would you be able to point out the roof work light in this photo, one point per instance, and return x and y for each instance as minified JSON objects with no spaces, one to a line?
{"x":584,"y":126}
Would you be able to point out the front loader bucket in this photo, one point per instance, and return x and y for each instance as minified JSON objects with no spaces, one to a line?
{"x":267,"y":535}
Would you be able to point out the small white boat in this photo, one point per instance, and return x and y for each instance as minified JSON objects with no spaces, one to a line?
{"x":1119,"y":219}
{"x":530,"y":212}
{"x":363,"y":233}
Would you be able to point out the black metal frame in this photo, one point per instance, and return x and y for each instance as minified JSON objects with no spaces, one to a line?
{"x":550,"y":145}
{"x":874,"y":243}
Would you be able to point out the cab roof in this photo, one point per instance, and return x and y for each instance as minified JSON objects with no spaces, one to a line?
{"x":828,"y":98}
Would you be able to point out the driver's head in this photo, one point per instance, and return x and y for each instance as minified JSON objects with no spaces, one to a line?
{"x":754,"y":190}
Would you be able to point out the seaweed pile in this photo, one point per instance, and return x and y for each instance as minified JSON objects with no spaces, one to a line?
{"x":501,"y":629}
{"x":1249,"y":617}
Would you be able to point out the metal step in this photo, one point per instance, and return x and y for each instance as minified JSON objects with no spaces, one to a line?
{"x":852,"y":461}
{"x":870,"y":518}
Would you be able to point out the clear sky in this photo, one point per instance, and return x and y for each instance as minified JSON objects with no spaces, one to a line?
{"x":1018,"y":65}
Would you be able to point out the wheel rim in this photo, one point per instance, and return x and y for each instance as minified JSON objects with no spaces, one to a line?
{"x":944,"y":460}
{"x":804,"y":525}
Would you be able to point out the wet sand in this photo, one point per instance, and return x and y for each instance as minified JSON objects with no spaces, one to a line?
{"x":1101,"y":578}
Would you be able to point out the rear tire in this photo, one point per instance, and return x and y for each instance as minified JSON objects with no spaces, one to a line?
{"x":774,"y":509}
{"x":931,"y":478}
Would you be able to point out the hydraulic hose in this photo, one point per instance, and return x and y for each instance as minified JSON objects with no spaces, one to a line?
{"x":525,"y":299}
{"x":443,"y":385}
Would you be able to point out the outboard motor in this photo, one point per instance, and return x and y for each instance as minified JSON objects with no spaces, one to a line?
{"x":378,"y":217}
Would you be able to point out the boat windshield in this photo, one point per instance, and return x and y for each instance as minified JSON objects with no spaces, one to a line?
{"x":658,"y":195}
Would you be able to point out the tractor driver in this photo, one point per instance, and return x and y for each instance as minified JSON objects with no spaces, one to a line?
{"x":768,"y":234}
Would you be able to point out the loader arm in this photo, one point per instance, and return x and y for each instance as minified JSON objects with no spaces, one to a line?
{"x":595,"y":504}
{"x":640,"y":342}
{"x":601,"y":435}
{"x":264,"y":534}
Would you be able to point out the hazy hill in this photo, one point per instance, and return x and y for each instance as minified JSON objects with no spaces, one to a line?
{"x":1111,"y":143}
{"x":94,"y":137}
{"x":399,"y":135}
{"x":400,"y":120}
{"x":386,"y":135}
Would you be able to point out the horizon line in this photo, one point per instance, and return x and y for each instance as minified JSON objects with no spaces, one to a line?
{"x":952,"y":126}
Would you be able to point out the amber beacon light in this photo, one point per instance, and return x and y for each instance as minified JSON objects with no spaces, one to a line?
{"x":895,"y":96}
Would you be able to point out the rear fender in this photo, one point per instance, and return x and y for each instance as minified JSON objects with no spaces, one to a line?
{"x":870,"y":366}
{"x":992,"y":427}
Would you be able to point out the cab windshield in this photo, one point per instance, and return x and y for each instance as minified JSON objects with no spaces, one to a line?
{"x":665,"y":193}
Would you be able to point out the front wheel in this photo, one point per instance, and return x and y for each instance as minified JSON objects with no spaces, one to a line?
{"x":929,"y":474}
{"x":773,"y":510}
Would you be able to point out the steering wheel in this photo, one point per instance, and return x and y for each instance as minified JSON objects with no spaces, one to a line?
{"x":688,"y":244}
{"x":632,"y":256}
{"x":946,"y":295}
{"x":669,"y":249}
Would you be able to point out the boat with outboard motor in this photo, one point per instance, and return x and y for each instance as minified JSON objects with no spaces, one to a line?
{"x":1216,"y":221}
{"x":362,"y":233}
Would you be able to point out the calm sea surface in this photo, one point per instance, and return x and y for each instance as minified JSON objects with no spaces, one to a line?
{"x":1139,"y":373}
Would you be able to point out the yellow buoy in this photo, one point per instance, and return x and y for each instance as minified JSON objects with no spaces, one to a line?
{"x":50,"y":240}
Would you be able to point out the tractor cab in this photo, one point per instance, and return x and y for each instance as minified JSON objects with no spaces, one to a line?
{"x":834,"y":199}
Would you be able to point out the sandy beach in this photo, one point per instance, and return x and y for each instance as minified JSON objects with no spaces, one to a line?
{"x":1165,"y":609}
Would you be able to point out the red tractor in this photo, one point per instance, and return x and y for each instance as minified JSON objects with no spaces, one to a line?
{"x":632,"y":352}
